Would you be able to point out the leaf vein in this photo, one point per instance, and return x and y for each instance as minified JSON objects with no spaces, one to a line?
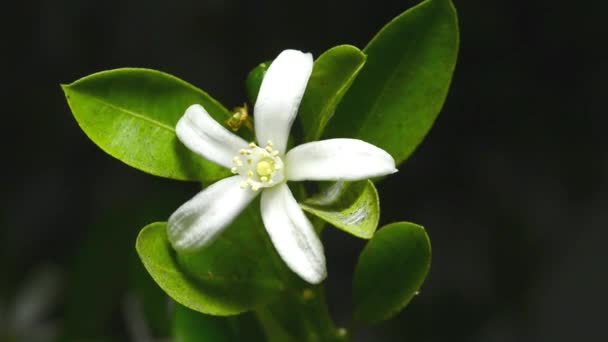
{"x":132,"y":113}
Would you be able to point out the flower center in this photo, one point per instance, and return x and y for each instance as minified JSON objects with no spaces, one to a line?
{"x":261,"y":167}
{"x":264,"y":168}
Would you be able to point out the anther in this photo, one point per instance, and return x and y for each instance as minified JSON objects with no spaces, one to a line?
{"x":234,"y":170}
{"x":249,"y":173}
{"x":264,"y":179}
{"x":244,"y":185}
{"x":269,"y":143}
{"x":252,"y":145}
{"x":275,"y":153}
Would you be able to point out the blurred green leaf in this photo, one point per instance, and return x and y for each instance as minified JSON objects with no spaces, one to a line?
{"x":234,"y":274}
{"x":152,"y":301}
{"x":107,"y":266}
{"x":390,"y":270}
{"x":401,"y":89}
{"x":98,"y":278}
{"x":254,"y":81}
{"x":353,"y":207}
{"x":131,"y":114}
{"x":332,"y":74}
{"x":192,"y":326}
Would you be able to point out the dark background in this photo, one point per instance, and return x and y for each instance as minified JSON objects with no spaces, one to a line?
{"x":510,"y":183}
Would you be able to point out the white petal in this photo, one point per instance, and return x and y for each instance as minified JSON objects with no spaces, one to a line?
{"x":338,"y":159}
{"x":292,"y":234}
{"x":200,"y":220}
{"x":279,"y":97}
{"x":206,"y":137}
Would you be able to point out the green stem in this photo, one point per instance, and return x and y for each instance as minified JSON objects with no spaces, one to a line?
{"x":300,"y":315}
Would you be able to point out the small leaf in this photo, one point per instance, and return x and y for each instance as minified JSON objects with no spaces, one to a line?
{"x":390,"y":271}
{"x":353,"y":207}
{"x":254,"y":80}
{"x":234,"y":274}
{"x":192,"y":326}
{"x":401,"y":89}
{"x":131,"y":114}
{"x":332,"y":74}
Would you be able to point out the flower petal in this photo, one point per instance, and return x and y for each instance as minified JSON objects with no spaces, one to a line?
{"x":279,"y":97}
{"x":337,"y":159}
{"x":200,"y":220}
{"x":206,"y":137}
{"x":292,"y":234}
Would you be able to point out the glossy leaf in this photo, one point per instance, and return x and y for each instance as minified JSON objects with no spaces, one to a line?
{"x":390,"y":271}
{"x":401,"y":89}
{"x":234,"y":274}
{"x":332,"y":74}
{"x":131,"y":114}
{"x":254,"y":81}
{"x":192,"y":326}
{"x":353,"y":207}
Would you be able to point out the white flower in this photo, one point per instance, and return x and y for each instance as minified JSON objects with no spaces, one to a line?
{"x":266,"y":167}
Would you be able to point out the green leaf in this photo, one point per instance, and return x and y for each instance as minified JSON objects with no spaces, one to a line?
{"x":254,"y":80}
{"x":234,"y":274}
{"x":332,"y":74}
{"x":390,"y":271}
{"x":131,"y":114}
{"x":353,"y":207}
{"x":400,"y":91}
{"x":191,"y":326}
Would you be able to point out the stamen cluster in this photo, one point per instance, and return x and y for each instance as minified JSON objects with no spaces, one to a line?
{"x":261,"y":167}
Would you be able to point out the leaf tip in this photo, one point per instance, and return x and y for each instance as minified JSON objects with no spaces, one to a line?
{"x":64,"y":87}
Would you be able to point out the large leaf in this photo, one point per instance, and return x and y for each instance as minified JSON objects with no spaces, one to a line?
{"x":332,"y":74}
{"x":353,"y":207}
{"x":131,"y":114}
{"x":234,"y":274}
{"x":401,"y":89}
{"x":390,"y":270}
{"x":192,"y":326}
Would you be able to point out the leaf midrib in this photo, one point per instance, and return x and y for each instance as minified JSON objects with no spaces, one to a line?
{"x":221,"y":279}
{"x":130,"y":112}
{"x":333,"y":101}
